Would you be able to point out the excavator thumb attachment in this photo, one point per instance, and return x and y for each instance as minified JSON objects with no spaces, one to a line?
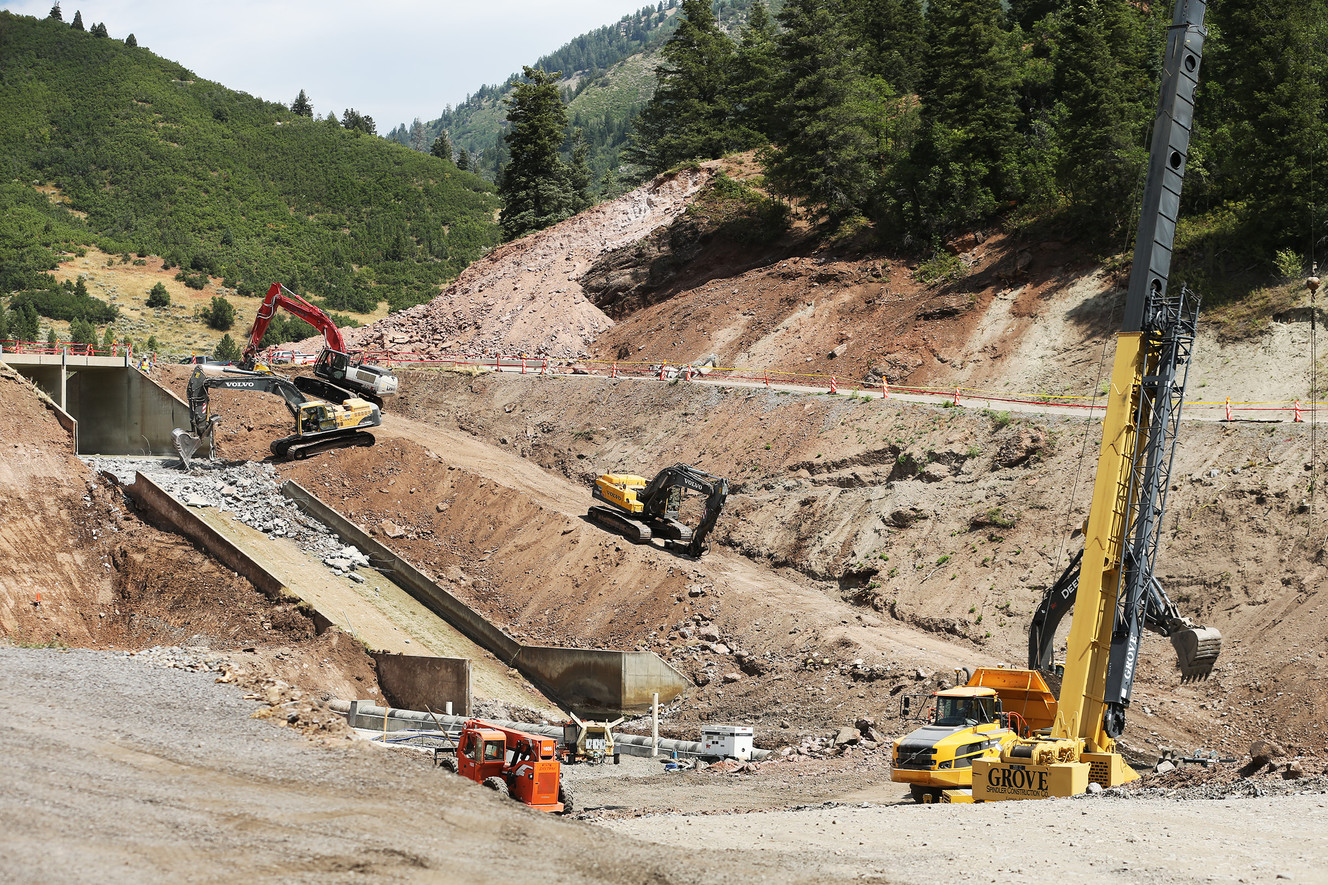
{"x":186,"y":444}
{"x":1197,"y":649}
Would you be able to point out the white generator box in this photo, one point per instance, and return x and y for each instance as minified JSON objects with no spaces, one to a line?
{"x":728,"y":741}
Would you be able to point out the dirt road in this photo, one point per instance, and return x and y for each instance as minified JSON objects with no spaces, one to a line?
{"x":116,"y":771}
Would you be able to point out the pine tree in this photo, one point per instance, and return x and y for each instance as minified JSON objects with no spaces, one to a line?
{"x":889,"y":36}
{"x":839,"y":132}
{"x":358,"y":123}
{"x":99,"y":30}
{"x":1260,"y":125}
{"x":690,"y":115}
{"x":4,"y":322}
{"x":227,"y":351}
{"x":56,"y":14}
{"x":82,"y":332}
{"x":77,"y":23}
{"x":536,"y":187}
{"x":463,"y":159}
{"x":966,"y":164}
{"x":417,"y":135}
{"x":579,"y":176}
{"x":131,"y":41}
{"x":52,"y":342}
{"x":442,"y":147}
{"x":1105,"y":90}
{"x":302,"y":107}
{"x":755,"y":67}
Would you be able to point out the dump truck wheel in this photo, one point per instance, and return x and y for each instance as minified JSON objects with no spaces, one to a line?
{"x":565,"y":797}
{"x":448,"y":762}
{"x":497,"y":784}
{"x":919,"y":794}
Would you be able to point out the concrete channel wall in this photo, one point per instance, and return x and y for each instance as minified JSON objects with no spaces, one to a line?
{"x":424,"y":683}
{"x":168,"y":513}
{"x":118,"y":409}
{"x":593,"y":683}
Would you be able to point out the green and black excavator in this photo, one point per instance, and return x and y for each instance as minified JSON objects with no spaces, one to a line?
{"x":319,"y":425}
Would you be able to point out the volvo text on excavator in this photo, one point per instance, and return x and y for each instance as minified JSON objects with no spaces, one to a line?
{"x":337,"y":376}
{"x":319,"y":425}
{"x":642,"y":510}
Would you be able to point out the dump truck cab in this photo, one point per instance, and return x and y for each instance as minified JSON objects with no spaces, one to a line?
{"x":992,"y":710}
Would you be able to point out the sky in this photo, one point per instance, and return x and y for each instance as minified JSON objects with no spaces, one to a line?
{"x":394,"y":60}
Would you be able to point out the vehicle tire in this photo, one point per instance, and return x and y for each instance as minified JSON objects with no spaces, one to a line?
{"x":497,"y":784}
{"x":919,"y":794}
{"x":617,"y":759}
{"x":448,"y":762}
{"x":565,"y":797}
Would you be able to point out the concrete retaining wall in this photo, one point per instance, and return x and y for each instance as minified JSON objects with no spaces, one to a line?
{"x":424,"y":683}
{"x":165,"y":512}
{"x":593,"y":683}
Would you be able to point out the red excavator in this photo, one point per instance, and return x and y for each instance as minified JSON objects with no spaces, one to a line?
{"x":513,"y":763}
{"x":337,"y":377}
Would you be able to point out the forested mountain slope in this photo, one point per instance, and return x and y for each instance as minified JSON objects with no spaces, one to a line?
{"x":154,"y":161}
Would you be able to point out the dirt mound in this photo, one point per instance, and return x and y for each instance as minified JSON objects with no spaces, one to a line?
{"x":526,"y":297}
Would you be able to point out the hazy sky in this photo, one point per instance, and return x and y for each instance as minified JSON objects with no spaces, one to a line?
{"x":391,"y":59}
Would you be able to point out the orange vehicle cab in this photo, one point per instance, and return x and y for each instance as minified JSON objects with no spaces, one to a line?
{"x":527,"y":764}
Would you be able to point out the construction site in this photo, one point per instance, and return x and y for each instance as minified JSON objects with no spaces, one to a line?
{"x":711,"y":564}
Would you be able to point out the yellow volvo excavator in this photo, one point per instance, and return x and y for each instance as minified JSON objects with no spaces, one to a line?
{"x":319,"y":425}
{"x":643,"y":509}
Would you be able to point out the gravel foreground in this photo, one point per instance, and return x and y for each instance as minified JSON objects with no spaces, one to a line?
{"x":128,"y":769}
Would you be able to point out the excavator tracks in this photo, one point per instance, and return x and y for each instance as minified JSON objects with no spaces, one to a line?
{"x":631,"y":529}
{"x":295,"y":447}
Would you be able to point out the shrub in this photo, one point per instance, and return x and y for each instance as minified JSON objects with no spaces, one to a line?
{"x":219,"y":315}
{"x":159,"y":297}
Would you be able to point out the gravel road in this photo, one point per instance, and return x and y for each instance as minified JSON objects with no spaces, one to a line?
{"x":125,"y":769}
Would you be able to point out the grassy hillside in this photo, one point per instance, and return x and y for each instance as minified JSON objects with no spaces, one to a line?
{"x":146,"y":158}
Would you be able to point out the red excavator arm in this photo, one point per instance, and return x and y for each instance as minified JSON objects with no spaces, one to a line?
{"x":280,"y":296}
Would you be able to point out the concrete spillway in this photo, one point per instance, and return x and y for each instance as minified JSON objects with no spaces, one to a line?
{"x":110,"y":407}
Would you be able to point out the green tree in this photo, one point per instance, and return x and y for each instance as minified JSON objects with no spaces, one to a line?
{"x":1260,"y":124}
{"x":1105,"y":88}
{"x":56,"y":14}
{"x":108,"y":340}
{"x":82,"y":332}
{"x":131,"y":41}
{"x":359,"y":123}
{"x":463,"y":159}
{"x":152,"y":345}
{"x":442,"y":147}
{"x":536,"y":188}
{"x":99,"y":30}
{"x":888,"y":34}
{"x":301,"y":107}
{"x":77,"y":23}
{"x":755,"y":70}
{"x":219,"y":315}
{"x":159,"y":297}
{"x":840,"y":133}
{"x":227,"y":350}
{"x":967,"y":162}
{"x":690,"y":116}
{"x":24,"y":324}
{"x":4,"y":322}
{"x":52,"y":341}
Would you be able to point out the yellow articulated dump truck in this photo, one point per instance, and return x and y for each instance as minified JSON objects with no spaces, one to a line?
{"x":994,"y":707}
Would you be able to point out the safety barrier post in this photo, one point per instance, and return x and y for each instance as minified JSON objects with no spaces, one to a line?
{"x":523,"y":365}
{"x":1298,"y":419}
{"x":834,"y":388}
{"x":613,"y":372}
{"x":544,"y":368}
{"x":1228,"y":409}
{"x":662,"y":366}
{"x":687,"y":375}
{"x":956,"y":398}
{"x":766,"y":377}
{"x":885,"y":389}
{"x":497,"y":362}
